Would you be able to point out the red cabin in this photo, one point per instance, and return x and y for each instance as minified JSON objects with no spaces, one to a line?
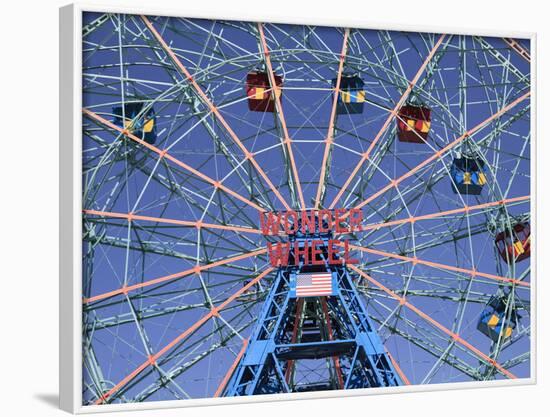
{"x":413,"y":123}
{"x":515,"y":246}
{"x":258,"y":91}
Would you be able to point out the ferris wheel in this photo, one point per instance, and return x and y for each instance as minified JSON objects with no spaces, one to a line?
{"x":194,"y":129}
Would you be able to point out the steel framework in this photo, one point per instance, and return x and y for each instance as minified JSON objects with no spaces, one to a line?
{"x":312,"y":343}
{"x":179,"y":298}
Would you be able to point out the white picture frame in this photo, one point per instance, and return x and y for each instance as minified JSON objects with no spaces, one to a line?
{"x":71,"y":208}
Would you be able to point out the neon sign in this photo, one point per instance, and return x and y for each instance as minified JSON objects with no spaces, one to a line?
{"x":310,"y":234}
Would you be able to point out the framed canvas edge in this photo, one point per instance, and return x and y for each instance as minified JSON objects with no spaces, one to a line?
{"x":70,"y":191}
{"x":70,"y":309}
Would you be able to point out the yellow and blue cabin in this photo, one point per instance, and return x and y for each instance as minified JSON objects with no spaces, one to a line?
{"x":468,"y":175}
{"x":136,"y":121}
{"x":493,"y":322}
{"x":351,"y":95}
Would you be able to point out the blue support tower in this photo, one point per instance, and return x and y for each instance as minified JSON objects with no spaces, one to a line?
{"x":312,"y":343}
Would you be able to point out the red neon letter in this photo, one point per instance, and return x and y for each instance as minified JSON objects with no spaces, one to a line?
{"x":356,"y":219}
{"x":271,"y":226}
{"x":347,"y":259}
{"x":333,"y":251}
{"x":278,"y":255}
{"x":291,"y":227}
{"x":322,"y":214}
{"x":316,"y":251}
{"x":304,"y":252}
{"x":338,"y":219}
{"x":308,"y":221}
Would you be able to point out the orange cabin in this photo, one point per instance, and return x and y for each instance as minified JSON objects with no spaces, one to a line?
{"x":259,"y":93}
{"x":413,"y":123}
{"x":515,"y":246}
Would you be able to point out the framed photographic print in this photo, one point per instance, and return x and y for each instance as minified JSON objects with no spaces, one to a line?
{"x":255,"y":209}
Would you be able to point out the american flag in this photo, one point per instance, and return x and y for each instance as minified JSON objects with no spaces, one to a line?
{"x":314,"y":284}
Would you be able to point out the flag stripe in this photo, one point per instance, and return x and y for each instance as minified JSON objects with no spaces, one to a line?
{"x":314,"y":284}
{"x":314,"y":294}
{"x":320,"y":284}
{"x":316,"y":289}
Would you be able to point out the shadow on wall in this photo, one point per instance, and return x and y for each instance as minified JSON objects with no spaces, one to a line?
{"x":50,"y":399}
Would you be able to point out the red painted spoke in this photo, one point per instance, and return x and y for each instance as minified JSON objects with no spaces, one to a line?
{"x":389,"y":119}
{"x":248,"y":155}
{"x":164,"y":154}
{"x":465,"y":209}
{"x":403,"y":301}
{"x":440,"y":153}
{"x":330,"y":133}
{"x":195,"y":270}
{"x":199,"y":323}
{"x":414,"y":260}
{"x":516,"y":46}
{"x":185,"y":223}
{"x":398,"y":368}
{"x":231,"y":369}
{"x":287,"y":141}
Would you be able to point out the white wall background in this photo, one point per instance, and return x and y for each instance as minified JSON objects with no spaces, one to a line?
{"x":29,"y":208}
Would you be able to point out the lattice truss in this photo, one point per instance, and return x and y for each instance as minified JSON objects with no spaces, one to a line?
{"x":177,"y":168}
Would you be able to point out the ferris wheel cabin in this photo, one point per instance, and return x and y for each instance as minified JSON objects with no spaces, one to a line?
{"x":139,"y":122}
{"x":351,"y":96}
{"x":468,"y":175}
{"x":413,"y":123}
{"x":515,"y":245}
{"x":259,"y":93}
{"x":493,"y":320}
